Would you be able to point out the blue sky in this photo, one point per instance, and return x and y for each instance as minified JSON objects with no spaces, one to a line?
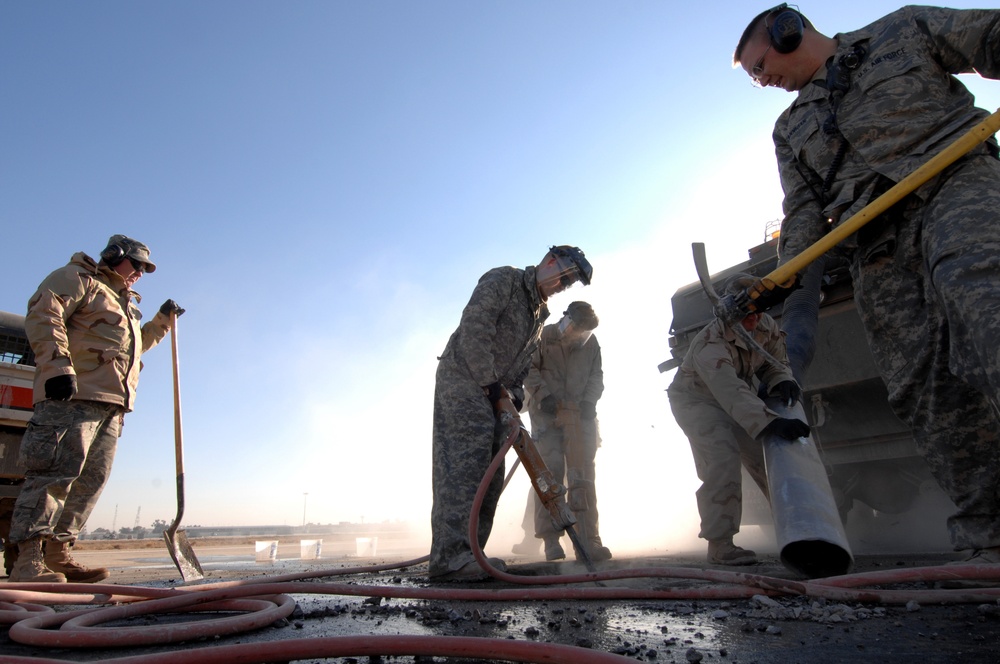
{"x":322,"y":183}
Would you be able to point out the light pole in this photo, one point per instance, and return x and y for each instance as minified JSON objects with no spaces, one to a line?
{"x":304,"y":496}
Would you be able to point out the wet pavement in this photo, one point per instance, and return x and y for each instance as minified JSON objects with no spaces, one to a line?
{"x":685,"y":628}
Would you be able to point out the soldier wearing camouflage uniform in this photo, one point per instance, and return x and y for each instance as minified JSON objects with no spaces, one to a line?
{"x":490,"y":350}
{"x":567,"y":375}
{"x":872,"y":106}
{"x":84,"y":329}
{"x":714,"y":398}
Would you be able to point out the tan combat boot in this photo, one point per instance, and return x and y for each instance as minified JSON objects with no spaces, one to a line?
{"x":724,"y":552}
{"x":30,"y":565}
{"x":57,"y":559}
{"x":599,"y":553}
{"x":989,"y":556}
{"x":528,"y":547}
{"x":553,"y":549}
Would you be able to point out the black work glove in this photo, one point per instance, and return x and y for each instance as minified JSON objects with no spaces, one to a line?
{"x":789,"y":429}
{"x":517,"y":398}
{"x":789,"y":391}
{"x":588,"y":410}
{"x":549,"y":405}
{"x":493,"y":392}
{"x":170,"y":306}
{"x":769,"y":298}
{"x":60,"y":388}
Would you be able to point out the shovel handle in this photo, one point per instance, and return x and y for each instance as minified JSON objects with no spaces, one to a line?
{"x":178,"y":431}
{"x":783,"y":275}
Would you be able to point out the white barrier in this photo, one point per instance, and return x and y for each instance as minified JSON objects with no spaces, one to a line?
{"x":311,"y":549}
{"x":267,"y":551}
{"x":366,"y":546}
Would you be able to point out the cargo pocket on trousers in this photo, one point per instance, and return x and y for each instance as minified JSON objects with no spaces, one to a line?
{"x":39,"y":445}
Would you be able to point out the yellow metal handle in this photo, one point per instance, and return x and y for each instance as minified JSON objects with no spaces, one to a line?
{"x":783,"y":275}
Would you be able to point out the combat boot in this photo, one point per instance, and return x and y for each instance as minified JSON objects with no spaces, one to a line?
{"x":57,"y":559}
{"x":599,"y":553}
{"x":988,"y":556}
{"x":30,"y":564}
{"x":596,"y":552}
{"x":553,"y":549}
{"x":9,"y":557}
{"x":469,"y":572}
{"x":527,"y":547}
{"x":724,"y":552}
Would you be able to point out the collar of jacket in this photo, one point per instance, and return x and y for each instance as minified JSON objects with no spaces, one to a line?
{"x":731,"y":337}
{"x":812,"y":92}
{"x":112,"y":278}
{"x":531,"y":285}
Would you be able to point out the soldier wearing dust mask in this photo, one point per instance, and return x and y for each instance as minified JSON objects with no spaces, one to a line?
{"x":564,"y":384}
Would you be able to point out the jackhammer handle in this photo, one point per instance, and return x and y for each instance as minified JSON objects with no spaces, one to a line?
{"x":544,"y":482}
{"x":549,"y":491}
{"x":784,"y":275}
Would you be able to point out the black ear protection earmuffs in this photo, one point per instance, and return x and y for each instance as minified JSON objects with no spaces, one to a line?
{"x":113,"y":254}
{"x":784,"y":28}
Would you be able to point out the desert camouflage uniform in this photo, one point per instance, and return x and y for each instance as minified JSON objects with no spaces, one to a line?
{"x":927,"y":273}
{"x":714,"y":400}
{"x":80,"y":321}
{"x":570,"y":375}
{"x":498,"y":332}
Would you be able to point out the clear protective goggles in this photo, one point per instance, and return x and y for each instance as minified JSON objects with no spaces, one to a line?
{"x":569,"y":271}
{"x":561,"y":274}
{"x":573,"y":335}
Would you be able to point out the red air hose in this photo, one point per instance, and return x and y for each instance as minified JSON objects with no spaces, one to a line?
{"x":355,"y":646}
{"x":261,"y":602}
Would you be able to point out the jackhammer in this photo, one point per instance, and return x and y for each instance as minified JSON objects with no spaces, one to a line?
{"x":549,"y":490}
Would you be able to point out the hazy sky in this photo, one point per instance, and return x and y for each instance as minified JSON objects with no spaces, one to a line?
{"x":321,"y":185}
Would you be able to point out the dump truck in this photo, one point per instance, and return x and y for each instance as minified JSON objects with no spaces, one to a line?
{"x":17,"y":373}
{"x":870,"y":455}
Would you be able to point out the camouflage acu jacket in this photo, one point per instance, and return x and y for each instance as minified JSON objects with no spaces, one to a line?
{"x":82,"y":321}
{"x":568,"y":374}
{"x":719,"y":366}
{"x":901,"y":107}
{"x":499,"y":328}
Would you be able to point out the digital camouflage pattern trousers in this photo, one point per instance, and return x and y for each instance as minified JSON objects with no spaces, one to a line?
{"x":67,"y":451}
{"x":720,"y":446}
{"x":466,"y":438}
{"x":928,"y":291}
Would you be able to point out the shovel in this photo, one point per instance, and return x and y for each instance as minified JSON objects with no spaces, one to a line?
{"x":785,"y":275}
{"x":177,"y":541}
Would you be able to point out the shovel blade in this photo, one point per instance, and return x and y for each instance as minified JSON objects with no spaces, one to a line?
{"x":183,"y":555}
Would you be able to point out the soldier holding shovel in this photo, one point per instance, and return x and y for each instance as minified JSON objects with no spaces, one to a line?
{"x":83,"y":324}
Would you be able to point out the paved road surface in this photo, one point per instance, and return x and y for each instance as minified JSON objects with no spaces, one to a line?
{"x":782,"y":629}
